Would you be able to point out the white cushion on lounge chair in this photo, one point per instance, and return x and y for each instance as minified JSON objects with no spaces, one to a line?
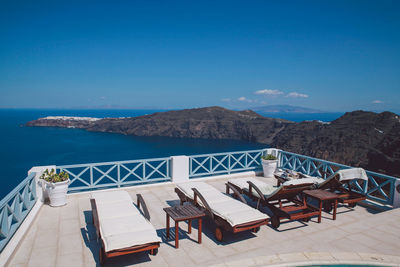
{"x":353,"y":173}
{"x":211,"y":194}
{"x":233,"y":211}
{"x":129,"y":239}
{"x":187,"y":188}
{"x":111,"y":197}
{"x":308,"y":180}
{"x":113,"y":226}
{"x":121,"y":223}
{"x":115,"y":210}
{"x":242,"y":182}
{"x":265,"y":188}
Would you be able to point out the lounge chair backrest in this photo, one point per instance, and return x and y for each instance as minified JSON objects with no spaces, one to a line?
{"x":282,"y":192}
{"x":289,"y":191}
{"x":337,"y":179}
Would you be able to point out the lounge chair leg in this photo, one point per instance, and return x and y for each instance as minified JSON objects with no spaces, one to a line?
{"x":352,"y":205}
{"x":176,"y":235}
{"x":167,"y":230}
{"x":320,"y":212}
{"x":275,"y":222}
{"x":255,"y":230}
{"x":199,"y":231}
{"x":101,"y":256}
{"x":328,"y":207}
{"x":154,"y":251}
{"x":219,"y":234}
{"x":335,"y":209}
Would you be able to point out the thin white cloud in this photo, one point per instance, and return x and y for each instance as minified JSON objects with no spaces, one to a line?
{"x":377,"y":102}
{"x":268,"y":92}
{"x":226,"y":100}
{"x":102,"y":97}
{"x":244,"y":99}
{"x":296,"y":95}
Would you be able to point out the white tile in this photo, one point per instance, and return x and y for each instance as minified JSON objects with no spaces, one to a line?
{"x":67,"y":260}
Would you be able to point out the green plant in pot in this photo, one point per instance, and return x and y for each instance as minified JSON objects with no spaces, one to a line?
{"x":269,"y":157}
{"x":269,"y":163}
{"x":56,"y":186}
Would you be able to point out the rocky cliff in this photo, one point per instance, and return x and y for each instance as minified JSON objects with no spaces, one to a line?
{"x":206,"y":123}
{"x":366,"y":139}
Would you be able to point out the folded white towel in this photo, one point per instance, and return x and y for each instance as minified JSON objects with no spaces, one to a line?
{"x":353,"y":173}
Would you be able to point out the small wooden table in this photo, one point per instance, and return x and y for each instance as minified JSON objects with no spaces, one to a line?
{"x":184,"y":213}
{"x":321,"y":196}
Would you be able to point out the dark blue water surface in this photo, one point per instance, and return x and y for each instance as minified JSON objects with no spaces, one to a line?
{"x":23,"y":147}
{"x":298,"y":117}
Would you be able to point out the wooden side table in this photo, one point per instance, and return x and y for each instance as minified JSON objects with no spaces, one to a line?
{"x":184,"y":213}
{"x":321,"y":196}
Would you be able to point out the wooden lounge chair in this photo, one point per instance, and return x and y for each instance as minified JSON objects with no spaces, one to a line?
{"x":340,"y":184}
{"x":285,"y":201}
{"x":120,"y":225}
{"x":228,"y":213}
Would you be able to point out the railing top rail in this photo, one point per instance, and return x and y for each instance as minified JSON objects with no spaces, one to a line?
{"x":16,"y":189}
{"x":320,"y":160}
{"x":382,"y":175}
{"x":110,"y":163}
{"x":225,"y":153}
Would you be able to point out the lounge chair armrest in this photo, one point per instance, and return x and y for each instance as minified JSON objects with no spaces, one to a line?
{"x":331,"y":182}
{"x":95,"y":217}
{"x":140,"y":202}
{"x":251,"y":186}
{"x":203,"y":200}
{"x":236,"y":193}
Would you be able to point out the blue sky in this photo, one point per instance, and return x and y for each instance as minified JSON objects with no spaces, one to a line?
{"x":329,"y":55}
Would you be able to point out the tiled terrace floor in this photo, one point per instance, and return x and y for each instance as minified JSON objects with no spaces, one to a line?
{"x":65,"y":236}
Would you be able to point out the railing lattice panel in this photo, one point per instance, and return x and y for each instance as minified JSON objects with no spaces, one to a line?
{"x":15,"y":207}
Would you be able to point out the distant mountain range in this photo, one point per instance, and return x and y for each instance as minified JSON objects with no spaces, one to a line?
{"x":359,"y":138}
{"x":285,"y":109}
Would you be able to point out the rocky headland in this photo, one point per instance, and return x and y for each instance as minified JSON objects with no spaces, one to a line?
{"x":359,"y":138}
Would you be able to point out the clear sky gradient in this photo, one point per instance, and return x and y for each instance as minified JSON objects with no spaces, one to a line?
{"x":329,"y":55}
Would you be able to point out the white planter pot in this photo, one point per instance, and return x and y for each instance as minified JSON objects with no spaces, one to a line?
{"x":269,"y":167}
{"x":57,"y":193}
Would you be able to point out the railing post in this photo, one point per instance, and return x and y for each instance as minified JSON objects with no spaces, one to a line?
{"x":180,"y":169}
{"x":41,"y":194}
{"x":229,"y":163}
{"x":119,"y":174}
{"x":396,"y":196}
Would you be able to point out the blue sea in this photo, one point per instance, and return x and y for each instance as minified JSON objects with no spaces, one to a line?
{"x":23,"y":147}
